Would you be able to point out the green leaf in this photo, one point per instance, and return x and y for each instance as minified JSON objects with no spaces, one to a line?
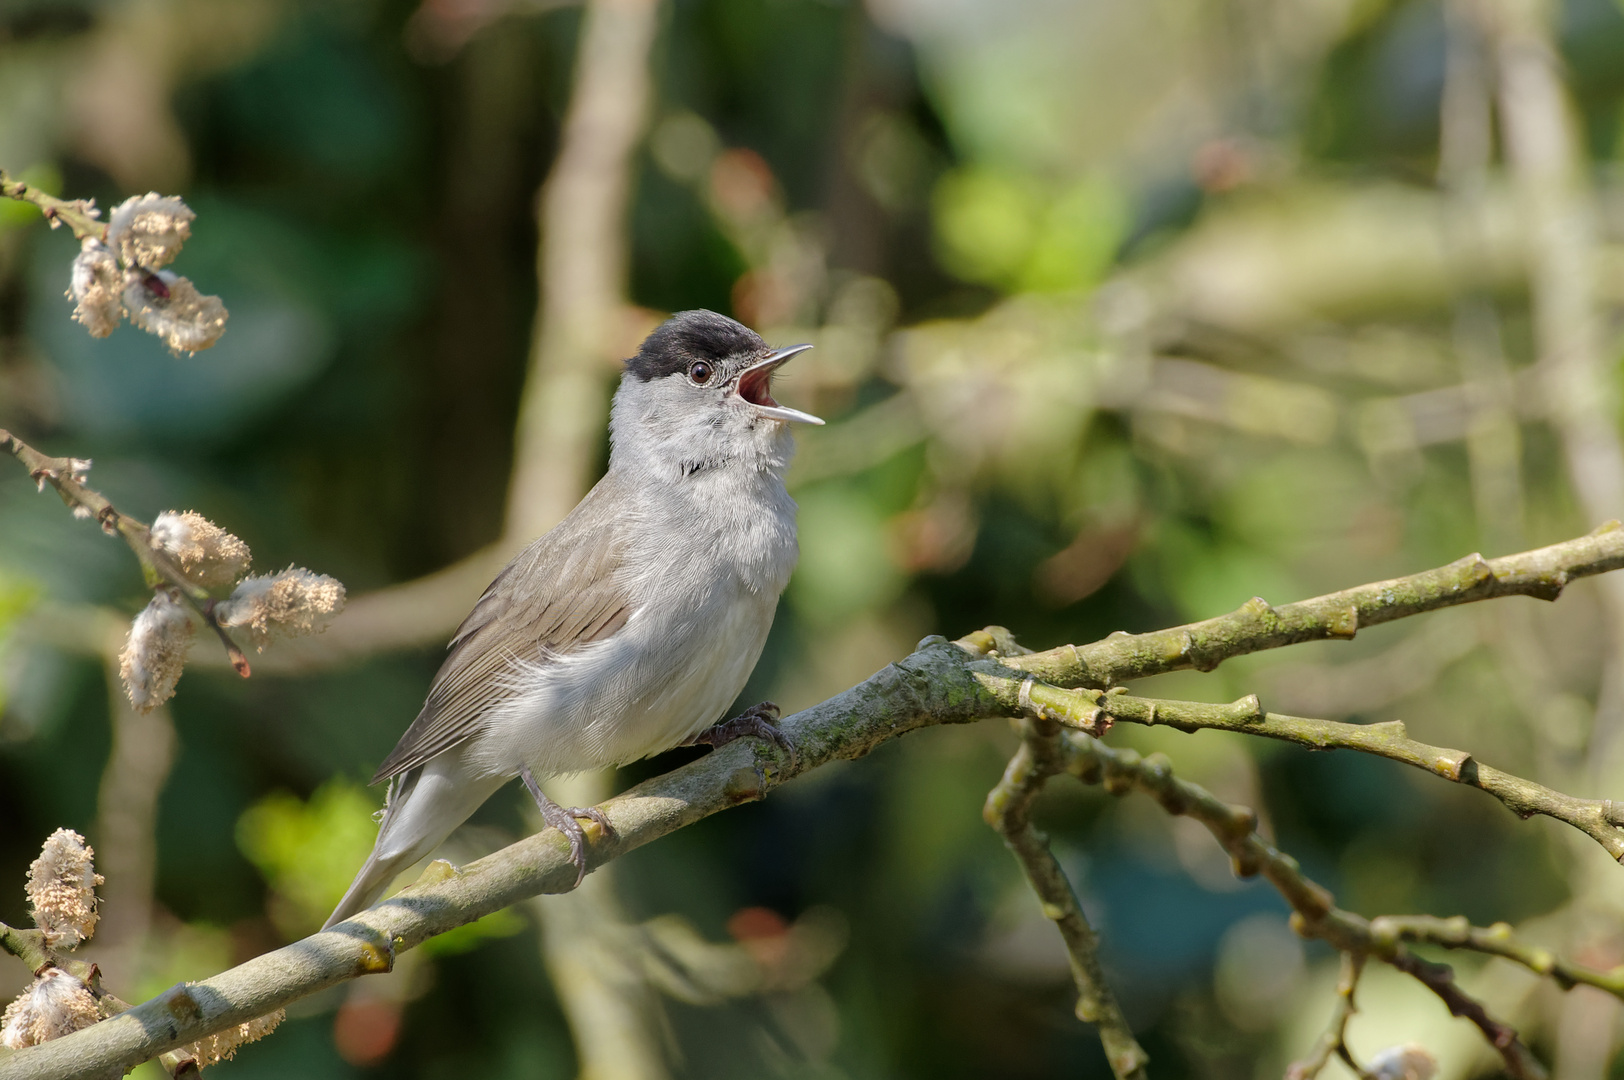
{"x":308,"y":851}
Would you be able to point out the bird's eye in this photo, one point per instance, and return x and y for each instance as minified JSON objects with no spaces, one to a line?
{"x":700,"y":372}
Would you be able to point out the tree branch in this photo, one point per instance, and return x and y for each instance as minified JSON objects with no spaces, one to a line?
{"x":1334,"y":1041}
{"x":933,"y":686}
{"x":1093,"y":711}
{"x":1314,"y":912}
{"x":80,"y":215}
{"x":941,"y":683}
{"x":1255,"y":625}
{"x":1008,"y":809}
{"x":1496,"y":940}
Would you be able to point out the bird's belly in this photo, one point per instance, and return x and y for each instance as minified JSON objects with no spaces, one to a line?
{"x":641,"y":692}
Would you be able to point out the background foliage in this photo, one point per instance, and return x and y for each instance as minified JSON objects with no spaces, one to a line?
{"x":1125,"y":311}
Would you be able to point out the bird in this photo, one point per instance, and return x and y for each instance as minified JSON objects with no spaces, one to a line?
{"x":630,"y":626}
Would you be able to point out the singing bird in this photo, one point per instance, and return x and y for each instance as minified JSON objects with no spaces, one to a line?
{"x":629,"y":627}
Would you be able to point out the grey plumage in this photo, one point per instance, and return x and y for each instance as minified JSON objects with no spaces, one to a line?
{"x":629,"y":627}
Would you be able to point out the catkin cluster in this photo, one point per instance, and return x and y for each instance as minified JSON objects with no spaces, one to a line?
{"x":62,"y":890}
{"x":55,"y":1004}
{"x":295,"y":601}
{"x":223,"y":1045}
{"x":62,"y":899}
{"x":124,"y":276}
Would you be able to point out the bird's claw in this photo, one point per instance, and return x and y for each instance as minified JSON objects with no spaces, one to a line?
{"x":756,"y":722}
{"x":564,"y":819}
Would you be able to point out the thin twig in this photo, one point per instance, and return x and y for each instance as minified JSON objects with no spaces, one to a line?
{"x":64,"y":474}
{"x":1008,"y":809}
{"x":1314,"y":911}
{"x":1255,"y":625}
{"x":1496,"y":940}
{"x":1335,"y":1039}
{"x":1094,"y":711}
{"x":80,"y":215}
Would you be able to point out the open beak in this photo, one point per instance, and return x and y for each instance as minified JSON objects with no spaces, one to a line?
{"x":755,"y":386}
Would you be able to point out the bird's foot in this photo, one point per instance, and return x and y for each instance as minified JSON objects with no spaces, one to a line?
{"x":563,"y":818}
{"x":756,"y":721}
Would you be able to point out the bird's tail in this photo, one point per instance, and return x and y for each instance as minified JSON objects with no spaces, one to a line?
{"x":422,"y":809}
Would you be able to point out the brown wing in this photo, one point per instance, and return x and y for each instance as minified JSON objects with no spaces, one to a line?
{"x":560,"y":593}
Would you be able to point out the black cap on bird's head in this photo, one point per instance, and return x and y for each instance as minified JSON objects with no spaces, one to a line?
{"x":713,"y":352}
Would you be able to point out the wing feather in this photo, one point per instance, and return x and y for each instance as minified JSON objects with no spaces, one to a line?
{"x":562,"y":592}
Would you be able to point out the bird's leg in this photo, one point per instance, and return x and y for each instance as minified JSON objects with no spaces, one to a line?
{"x":563,"y":818}
{"x":756,"y":721}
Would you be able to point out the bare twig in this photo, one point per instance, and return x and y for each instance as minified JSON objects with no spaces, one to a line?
{"x":1094,"y":711}
{"x":1314,"y":913}
{"x":1334,"y":1041}
{"x":80,"y":215}
{"x":1255,"y":626}
{"x":1496,"y":940}
{"x":1008,"y":809}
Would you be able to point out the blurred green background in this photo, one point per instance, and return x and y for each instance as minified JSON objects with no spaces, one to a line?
{"x":1126,"y":310}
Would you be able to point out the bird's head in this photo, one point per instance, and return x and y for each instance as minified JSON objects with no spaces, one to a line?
{"x":698,"y":394}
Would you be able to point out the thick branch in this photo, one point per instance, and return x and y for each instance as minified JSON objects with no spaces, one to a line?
{"x":933,"y":686}
{"x":1255,"y":625}
{"x":941,"y":683}
{"x":1314,"y":911}
{"x":1008,"y":809}
{"x":1094,"y":711}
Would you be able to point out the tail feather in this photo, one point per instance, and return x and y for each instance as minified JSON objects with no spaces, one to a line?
{"x":424,"y":806}
{"x":369,"y":884}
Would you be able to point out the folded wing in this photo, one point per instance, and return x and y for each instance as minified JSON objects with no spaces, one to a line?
{"x":562,"y":592}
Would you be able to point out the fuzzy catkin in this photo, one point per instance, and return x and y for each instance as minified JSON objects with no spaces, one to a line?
{"x":223,"y":1045}
{"x":148,"y":230}
{"x":204,"y":552}
{"x":55,"y":1004}
{"x":155,"y":653}
{"x":169,"y":306}
{"x":96,"y":288}
{"x":62,"y":890}
{"x":295,"y":601}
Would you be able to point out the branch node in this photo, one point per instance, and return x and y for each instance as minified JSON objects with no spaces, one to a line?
{"x":1343,"y":623}
{"x":1257,"y":609}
